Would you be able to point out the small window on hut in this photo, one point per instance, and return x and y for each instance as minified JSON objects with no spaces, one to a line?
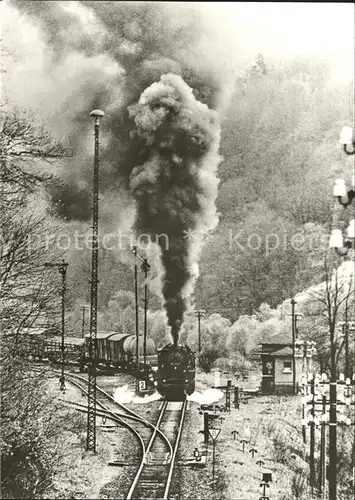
{"x":287,"y":367}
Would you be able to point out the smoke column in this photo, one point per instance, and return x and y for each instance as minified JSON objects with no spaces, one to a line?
{"x":176,"y":186}
{"x":155,"y":68}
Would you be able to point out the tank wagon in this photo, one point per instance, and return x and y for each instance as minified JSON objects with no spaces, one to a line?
{"x":118,"y":350}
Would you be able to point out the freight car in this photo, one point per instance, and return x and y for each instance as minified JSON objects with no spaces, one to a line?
{"x":175,"y":376}
{"x":114,"y":350}
{"x":40,"y":347}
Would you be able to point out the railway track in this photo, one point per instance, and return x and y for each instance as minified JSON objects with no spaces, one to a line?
{"x":154,"y":476}
{"x":158,"y":443}
{"x":140,"y":422}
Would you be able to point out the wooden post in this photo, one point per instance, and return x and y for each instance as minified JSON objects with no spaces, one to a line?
{"x":312,"y":442}
{"x":293,"y":303}
{"x":236,"y":397}
{"x":321,"y":484}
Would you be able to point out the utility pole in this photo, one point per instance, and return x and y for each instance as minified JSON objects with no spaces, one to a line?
{"x":293,"y":303}
{"x":62,"y":268}
{"x":294,"y":338}
{"x":83,"y":322}
{"x":345,"y":328}
{"x":63,"y":271}
{"x":145,"y":268}
{"x":322,"y":466}
{"x":200,"y":313}
{"x":205,"y":428}
{"x":347,"y":364}
{"x":332,"y":477}
{"x":91,"y":421}
{"x":228,"y":395}
{"x":134,"y":251}
{"x":214,"y":433}
{"x":236,"y":397}
{"x":312,"y":440}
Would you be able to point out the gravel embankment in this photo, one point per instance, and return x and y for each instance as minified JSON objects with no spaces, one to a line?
{"x":88,"y":475}
{"x":237,"y":474}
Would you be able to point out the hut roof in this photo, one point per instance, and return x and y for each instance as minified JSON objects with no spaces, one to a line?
{"x":284,"y":352}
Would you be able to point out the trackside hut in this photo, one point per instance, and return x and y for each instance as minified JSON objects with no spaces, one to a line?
{"x":277,"y":365}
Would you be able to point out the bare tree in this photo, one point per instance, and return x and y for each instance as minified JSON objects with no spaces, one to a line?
{"x":22,"y":145}
{"x":329,"y":303}
{"x":30,"y":420}
{"x":25,"y":289}
{"x":34,"y":427}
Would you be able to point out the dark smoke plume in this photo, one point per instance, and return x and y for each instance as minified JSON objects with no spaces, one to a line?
{"x":175,"y":186}
{"x":69,"y":201}
{"x":155,"y":69}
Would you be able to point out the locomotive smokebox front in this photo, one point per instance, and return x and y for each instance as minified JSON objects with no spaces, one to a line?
{"x":176,"y":372}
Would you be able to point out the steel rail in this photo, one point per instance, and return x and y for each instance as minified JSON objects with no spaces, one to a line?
{"x":144,"y":457}
{"x":176,"y":446}
{"x":145,"y":449}
{"x":113,"y":416}
{"x":131,"y":413}
{"x":170,"y":463}
{"x":126,"y":409}
{"x":121,"y":415}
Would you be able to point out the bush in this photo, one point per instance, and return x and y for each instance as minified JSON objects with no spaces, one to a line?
{"x":281,"y":450}
{"x":207,"y":359}
{"x":33,"y":430}
{"x":299,"y":485}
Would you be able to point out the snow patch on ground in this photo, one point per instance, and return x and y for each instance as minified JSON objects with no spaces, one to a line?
{"x":124,"y":395}
{"x":148,"y":398}
{"x":207,"y":397}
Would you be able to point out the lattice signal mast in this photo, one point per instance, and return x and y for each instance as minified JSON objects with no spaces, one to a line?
{"x":91,"y":422}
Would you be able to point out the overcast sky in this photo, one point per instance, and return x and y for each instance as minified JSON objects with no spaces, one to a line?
{"x":283,"y":30}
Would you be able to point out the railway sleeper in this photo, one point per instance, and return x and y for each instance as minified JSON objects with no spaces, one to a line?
{"x":159,"y":454}
{"x":153,"y":479}
{"x":146,"y":487}
{"x":150,"y":493}
{"x":158,"y":463}
{"x":154,"y":472}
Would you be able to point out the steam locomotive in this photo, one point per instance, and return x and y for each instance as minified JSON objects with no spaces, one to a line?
{"x":175,"y":376}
